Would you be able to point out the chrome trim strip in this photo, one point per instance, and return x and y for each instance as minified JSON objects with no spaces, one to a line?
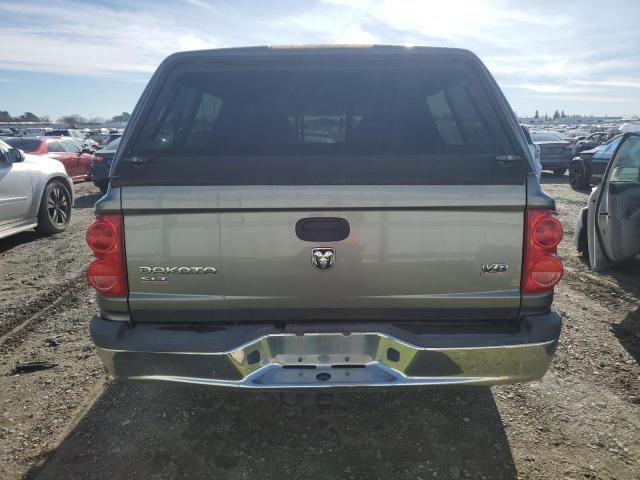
{"x":354,"y":360}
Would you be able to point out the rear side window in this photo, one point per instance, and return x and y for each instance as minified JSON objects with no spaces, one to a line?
{"x":27,"y":145}
{"x":69,"y":147}
{"x":54,"y":147}
{"x":335,"y":126}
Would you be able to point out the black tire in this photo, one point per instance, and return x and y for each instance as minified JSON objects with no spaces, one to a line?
{"x":102,"y":185}
{"x":578,"y":175}
{"x":55,"y":208}
{"x":559,"y":171}
{"x":583,"y":240}
{"x":583,"y":247}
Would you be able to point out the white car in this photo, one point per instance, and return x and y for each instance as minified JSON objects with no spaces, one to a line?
{"x":608,"y":228}
{"x":35,"y":192}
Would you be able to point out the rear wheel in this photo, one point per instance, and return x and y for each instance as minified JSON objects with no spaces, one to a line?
{"x":559,"y":171}
{"x":578,"y":178}
{"x":55,"y":208}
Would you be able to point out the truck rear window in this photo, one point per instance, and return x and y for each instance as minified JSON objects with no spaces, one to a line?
{"x":323,"y":126}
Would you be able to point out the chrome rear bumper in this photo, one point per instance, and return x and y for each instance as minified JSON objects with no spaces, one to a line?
{"x":321,"y":359}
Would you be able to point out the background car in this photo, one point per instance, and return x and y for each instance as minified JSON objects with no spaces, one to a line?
{"x":75,"y":161}
{"x":111,"y":137}
{"x":79,"y":137}
{"x":589,"y":166}
{"x":35,"y":192}
{"x":555,"y":153}
{"x":101,"y":164}
{"x":592,"y":141}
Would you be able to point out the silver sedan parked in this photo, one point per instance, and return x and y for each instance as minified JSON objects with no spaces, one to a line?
{"x":35,"y":192}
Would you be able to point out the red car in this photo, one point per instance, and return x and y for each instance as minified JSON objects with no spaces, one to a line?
{"x":75,"y":161}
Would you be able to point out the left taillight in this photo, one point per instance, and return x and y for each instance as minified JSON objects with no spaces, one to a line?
{"x":107,"y":273}
{"x":541,"y":268}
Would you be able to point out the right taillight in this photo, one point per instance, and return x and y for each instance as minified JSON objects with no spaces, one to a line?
{"x":107,"y":272}
{"x":541,"y":268}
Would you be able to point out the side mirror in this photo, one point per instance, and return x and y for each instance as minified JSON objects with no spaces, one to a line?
{"x":14,"y":155}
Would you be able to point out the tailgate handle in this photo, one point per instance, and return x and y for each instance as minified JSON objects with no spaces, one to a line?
{"x":322,"y":229}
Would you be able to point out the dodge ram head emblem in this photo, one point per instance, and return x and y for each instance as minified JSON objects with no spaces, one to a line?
{"x":323,"y":259}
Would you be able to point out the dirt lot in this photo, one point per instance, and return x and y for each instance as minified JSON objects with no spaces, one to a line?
{"x":581,"y":421}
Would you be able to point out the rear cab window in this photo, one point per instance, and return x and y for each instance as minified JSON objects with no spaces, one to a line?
{"x":309,"y":123}
{"x":27,"y":145}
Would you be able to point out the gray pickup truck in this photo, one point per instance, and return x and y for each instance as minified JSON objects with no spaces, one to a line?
{"x":305,"y":217}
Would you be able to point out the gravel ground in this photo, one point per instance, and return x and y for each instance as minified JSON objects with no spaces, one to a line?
{"x":581,"y":421}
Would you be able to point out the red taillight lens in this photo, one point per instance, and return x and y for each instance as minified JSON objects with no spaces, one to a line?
{"x":541,"y":268}
{"x":547,"y":232}
{"x":107,"y":272}
{"x":102,"y":276}
{"x":101,"y":236}
{"x":547,"y":271}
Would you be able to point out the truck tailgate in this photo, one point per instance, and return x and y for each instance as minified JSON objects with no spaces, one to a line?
{"x":412,"y":252}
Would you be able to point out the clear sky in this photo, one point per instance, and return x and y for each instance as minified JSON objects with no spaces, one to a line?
{"x":94,"y":57}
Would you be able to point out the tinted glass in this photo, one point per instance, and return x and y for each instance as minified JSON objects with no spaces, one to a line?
{"x":54,"y":147}
{"x":527,"y":135}
{"x":627,"y":162}
{"x":112,"y":145}
{"x":70,"y":147}
{"x":27,"y":145}
{"x":330,"y":126}
{"x":545,"y":137}
{"x":56,"y":133}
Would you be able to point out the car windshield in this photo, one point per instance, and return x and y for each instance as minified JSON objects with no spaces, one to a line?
{"x":610,"y":146}
{"x":27,"y":145}
{"x":545,"y":137}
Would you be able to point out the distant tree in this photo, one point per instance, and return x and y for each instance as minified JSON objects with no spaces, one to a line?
{"x":5,"y":116}
{"x":546,"y":117}
{"x":72,"y":120}
{"x":537,"y":115}
{"x":123,"y":117}
{"x":556,"y":115}
{"x":562,"y":115}
{"x":28,"y":117}
{"x":45,"y":118}
{"x":97,"y":120}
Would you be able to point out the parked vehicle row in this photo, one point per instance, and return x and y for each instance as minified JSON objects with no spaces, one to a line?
{"x":35,"y":192}
{"x":101,"y":164}
{"x":589,"y":166}
{"x":555,"y":153}
{"x":594,"y":140}
{"x":76,"y":161}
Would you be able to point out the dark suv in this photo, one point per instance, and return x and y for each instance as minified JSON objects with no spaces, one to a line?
{"x":589,"y":165}
{"x":325,"y":217}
